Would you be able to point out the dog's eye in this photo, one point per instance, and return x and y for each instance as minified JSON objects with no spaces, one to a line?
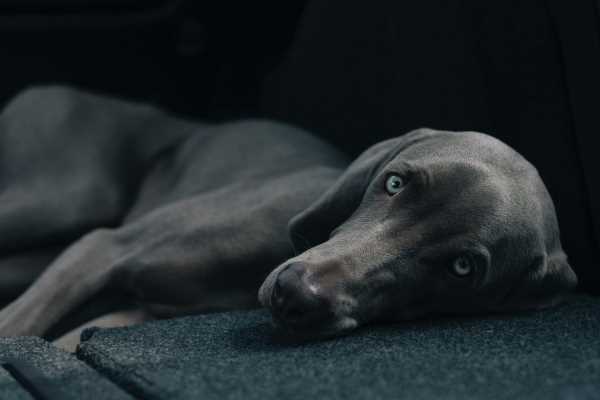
{"x":394,"y":184}
{"x":462,"y":266}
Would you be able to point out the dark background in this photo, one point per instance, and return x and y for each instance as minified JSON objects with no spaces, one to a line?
{"x":353,"y":72}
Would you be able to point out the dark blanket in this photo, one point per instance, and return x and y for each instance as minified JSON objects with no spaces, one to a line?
{"x":554,"y":354}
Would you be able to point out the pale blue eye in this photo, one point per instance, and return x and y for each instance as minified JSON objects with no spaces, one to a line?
{"x":462,"y":267}
{"x":394,"y":184}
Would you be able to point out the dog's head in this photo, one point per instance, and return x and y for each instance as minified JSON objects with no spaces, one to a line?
{"x":431,"y":222}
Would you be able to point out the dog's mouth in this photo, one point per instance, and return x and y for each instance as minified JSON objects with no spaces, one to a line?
{"x":323,"y":331}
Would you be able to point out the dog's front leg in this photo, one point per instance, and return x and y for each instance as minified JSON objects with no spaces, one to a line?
{"x":77,"y":274}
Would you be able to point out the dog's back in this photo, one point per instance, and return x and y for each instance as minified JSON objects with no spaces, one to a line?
{"x":186,"y":216}
{"x":247,"y":152}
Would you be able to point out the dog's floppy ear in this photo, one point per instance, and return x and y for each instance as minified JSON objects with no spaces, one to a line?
{"x":314,"y":224}
{"x":545,"y":282}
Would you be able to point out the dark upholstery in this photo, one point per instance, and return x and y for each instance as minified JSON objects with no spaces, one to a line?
{"x":49,"y":373}
{"x":553,"y":354}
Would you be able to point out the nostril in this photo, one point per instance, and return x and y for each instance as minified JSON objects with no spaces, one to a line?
{"x":276,"y":295}
{"x":287,"y":281}
{"x":294,"y":313}
{"x":289,"y":296}
{"x":292,"y":272}
{"x":297,"y":308}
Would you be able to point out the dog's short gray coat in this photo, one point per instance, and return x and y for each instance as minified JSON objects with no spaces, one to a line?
{"x":189,"y":217}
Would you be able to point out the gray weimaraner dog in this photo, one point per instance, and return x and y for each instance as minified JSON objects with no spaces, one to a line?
{"x":188,"y":218}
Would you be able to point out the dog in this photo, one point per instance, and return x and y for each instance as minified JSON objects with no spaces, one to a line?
{"x":187,"y":217}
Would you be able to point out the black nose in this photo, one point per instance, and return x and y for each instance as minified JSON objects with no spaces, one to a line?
{"x":294,"y":303}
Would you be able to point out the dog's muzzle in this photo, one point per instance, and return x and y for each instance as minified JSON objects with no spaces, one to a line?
{"x":298,"y":304}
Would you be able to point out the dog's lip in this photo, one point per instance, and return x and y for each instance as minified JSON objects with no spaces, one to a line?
{"x":337,"y":327}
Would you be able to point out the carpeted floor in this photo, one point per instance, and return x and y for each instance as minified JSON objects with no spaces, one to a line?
{"x":554,"y":354}
{"x":49,"y":373}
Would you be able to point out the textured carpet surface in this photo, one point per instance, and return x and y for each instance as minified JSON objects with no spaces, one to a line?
{"x":59,"y":374}
{"x":554,"y":354}
{"x":11,"y":389}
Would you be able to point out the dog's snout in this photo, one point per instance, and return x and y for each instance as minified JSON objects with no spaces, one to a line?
{"x":295,"y":301}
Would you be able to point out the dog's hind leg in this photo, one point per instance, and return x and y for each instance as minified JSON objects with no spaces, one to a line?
{"x":19,"y":270}
{"x":71,"y":162}
{"x":78,"y":274}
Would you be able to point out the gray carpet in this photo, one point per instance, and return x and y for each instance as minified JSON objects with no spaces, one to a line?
{"x":554,"y":354}
{"x":53,"y":374}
